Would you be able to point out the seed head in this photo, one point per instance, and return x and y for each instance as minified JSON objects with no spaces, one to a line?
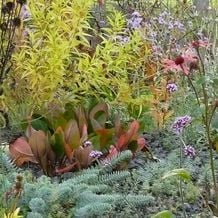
{"x":179,"y":60}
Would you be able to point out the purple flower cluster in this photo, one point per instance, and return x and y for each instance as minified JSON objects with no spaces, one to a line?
{"x":25,"y":13}
{"x":123,"y":39}
{"x":180,"y":123}
{"x":171,"y":87}
{"x":189,"y":151}
{"x":162,"y":31}
{"x":95,"y":154}
{"x":87,"y":144}
{"x":135,"y":21}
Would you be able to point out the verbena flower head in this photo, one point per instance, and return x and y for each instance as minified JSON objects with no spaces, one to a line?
{"x":87,"y":144}
{"x":189,"y":151}
{"x":135,"y":21}
{"x":180,"y":123}
{"x":25,"y":12}
{"x":171,"y":87}
{"x":95,"y":154}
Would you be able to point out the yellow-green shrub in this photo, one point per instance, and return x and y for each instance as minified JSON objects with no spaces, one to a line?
{"x":57,"y":64}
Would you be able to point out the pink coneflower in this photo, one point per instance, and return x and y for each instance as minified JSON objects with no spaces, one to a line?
{"x":181,"y":63}
{"x":199,"y":43}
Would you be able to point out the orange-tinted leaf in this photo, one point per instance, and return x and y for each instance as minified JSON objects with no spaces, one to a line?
{"x":131,"y":134}
{"x":37,"y":143}
{"x":21,"y":152}
{"x":41,"y":148}
{"x":72,"y":134}
{"x":84,"y":136}
{"x":105,"y":136}
{"x":141,"y":143}
{"x":66,"y":169}
{"x":68,"y":151}
{"x":113,"y":152}
{"x":81,"y":117}
{"x":82,"y":156}
{"x":121,"y":142}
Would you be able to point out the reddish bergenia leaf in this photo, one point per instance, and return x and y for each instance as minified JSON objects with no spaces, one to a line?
{"x":21,"y":152}
{"x":81,"y":118}
{"x":84,"y":134}
{"x":68,"y":151}
{"x":66,"y":169}
{"x":130,"y":135}
{"x":142,"y":144}
{"x":72,"y":134}
{"x":113,"y":152}
{"x":105,"y":136}
{"x":39,"y":146}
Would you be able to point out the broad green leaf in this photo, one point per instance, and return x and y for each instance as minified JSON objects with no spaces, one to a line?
{"x":164,"y":214}
{"x":39,"y":123}
{"x":57,"y":142}
{"x":182,"y":173}
{"x":57,"y":122}
{"x":99,"y":113}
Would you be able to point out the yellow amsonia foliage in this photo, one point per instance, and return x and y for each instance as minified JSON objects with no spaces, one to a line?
{"x":13,"y":214}
{"x":57,"y":63}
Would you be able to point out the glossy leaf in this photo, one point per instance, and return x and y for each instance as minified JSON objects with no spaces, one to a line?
{"x":82,"y":156}
{"x":21,"y":152}
{"x":39,"y":146}
{"x":39,"y":123}
{"x":81,"y":118}
{"x":130,"y":135}
{"x":106,"y":136}
{"x":72,"y":134}
{"x":58,"y":141}
{"x":84,"y":134}
{"x":99,"y":113}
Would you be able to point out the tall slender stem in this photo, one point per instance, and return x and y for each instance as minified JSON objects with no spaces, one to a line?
{"x":180,"y":181}
{"x":207,"y":121}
